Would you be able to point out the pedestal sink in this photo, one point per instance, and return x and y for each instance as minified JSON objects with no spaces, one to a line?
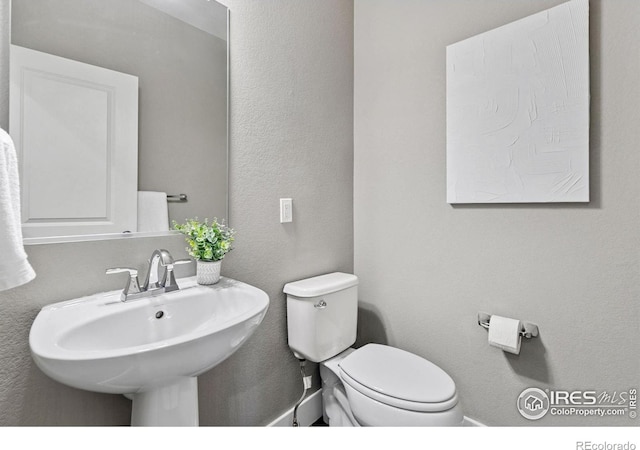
{"x":150,"y":349}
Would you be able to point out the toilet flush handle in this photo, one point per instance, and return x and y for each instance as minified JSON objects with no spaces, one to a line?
{"x":321,"y":304}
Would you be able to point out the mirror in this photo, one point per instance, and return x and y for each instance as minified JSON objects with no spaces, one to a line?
{"x":178,"y":52}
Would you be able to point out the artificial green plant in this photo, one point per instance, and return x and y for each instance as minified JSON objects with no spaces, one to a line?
{"x":207,"y":242}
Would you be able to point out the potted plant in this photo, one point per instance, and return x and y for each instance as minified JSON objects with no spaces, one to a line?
{"x":208,"y":244}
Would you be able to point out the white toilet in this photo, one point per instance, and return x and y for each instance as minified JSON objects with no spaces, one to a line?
{"x":375,"y":385}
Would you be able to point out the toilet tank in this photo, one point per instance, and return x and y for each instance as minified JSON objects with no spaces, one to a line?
{"x":322,"y":315}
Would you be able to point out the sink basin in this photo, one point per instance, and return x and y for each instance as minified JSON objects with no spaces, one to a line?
{"x":151,"y":349}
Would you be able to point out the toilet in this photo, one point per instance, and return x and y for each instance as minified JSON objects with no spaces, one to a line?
{"x":374,"y":385}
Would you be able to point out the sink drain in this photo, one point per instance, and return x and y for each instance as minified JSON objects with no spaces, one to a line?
{"x":159,"y":314}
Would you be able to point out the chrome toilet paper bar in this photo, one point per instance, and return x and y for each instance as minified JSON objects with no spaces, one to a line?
{"x":527,"y":330}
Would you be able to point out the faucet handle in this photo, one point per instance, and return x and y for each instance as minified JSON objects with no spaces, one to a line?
{"x":169,"y":279}
{"x":182,"y":261}
{"x":132,"y":286}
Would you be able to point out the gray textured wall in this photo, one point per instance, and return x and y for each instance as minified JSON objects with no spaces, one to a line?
{"x":291,"y":136}
{"x":572,"y":269}
{"x":182,"y":129}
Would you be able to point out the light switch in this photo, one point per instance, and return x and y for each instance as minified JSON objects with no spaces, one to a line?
{"x":286,"y":210}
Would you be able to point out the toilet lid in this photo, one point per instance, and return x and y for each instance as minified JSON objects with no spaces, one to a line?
{"x":397,"y":374}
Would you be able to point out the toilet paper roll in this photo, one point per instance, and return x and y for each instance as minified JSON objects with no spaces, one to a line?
{"x":504,"y":333}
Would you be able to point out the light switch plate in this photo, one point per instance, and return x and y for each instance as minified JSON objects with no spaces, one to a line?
{"x":286,"y":210}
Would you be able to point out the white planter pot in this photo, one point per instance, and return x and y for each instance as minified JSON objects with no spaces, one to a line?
{"x":208,"y":272}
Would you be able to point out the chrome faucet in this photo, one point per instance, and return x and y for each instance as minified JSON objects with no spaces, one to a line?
{"x":161,"y":261}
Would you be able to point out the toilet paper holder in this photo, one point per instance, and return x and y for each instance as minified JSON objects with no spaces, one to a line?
{"x":527,"y":330}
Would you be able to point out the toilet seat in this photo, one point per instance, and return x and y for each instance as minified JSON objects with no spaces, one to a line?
{"x":399,"y":379}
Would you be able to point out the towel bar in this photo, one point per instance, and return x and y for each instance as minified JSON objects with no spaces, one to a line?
{"x":177,"y":197}
{"x":527,"y":330}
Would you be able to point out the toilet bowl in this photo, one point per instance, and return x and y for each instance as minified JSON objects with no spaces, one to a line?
{"x":374,"y":385}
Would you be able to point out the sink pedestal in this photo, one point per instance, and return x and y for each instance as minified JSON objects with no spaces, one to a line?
{"x":175,"y":405}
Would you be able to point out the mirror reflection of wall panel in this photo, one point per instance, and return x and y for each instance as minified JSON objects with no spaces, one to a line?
{"x":76,"y":131}
{"x":179,"y":52}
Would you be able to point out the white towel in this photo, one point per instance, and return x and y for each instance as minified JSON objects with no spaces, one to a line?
{"x":153,"y":211}
{"x":15,"y":270}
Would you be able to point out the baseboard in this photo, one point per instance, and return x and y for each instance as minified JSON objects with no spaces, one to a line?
{"x":469,"y":422}
{"x":309,"y":411}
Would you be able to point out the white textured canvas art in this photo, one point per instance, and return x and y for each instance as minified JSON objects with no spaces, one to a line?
{"x":518,"y":111}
